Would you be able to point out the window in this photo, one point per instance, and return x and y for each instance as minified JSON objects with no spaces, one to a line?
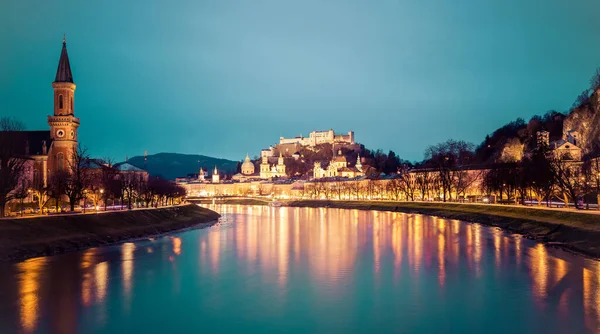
{"x":60,"y":102}
{"x":72,"y":106}
{"x":60,"y":161}
{"x":36,"y":177}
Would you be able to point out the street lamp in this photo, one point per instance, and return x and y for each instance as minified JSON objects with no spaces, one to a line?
{"x":84,"y":199}
{"x":102,"y":196}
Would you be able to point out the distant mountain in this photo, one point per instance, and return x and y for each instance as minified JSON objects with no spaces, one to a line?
{"x":172,"y":165}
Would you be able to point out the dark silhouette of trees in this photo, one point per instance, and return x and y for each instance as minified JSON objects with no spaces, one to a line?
{"x":448,"y":159}
{"x":57,"y":185}
{"x":78,"y":176}
{"x":595,"y":80}
{"x":12,"y":162}
{"x":582,"y":99}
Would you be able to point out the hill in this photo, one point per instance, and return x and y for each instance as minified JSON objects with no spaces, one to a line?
{"x":172,"y":165}
{"x":514,"y":139}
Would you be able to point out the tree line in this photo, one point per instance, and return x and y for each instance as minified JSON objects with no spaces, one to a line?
{"x":81,"y":179}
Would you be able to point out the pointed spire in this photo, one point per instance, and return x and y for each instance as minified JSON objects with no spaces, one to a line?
{"x":63,"y":73}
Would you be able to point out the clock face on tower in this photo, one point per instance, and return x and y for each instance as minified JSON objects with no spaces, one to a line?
{"x":72,"y":134}
{"x":60,"y":133}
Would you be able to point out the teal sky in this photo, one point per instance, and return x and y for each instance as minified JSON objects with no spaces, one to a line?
{"x":226,"y":77}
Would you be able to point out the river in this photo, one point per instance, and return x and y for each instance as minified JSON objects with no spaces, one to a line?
{"x":306,"y":270}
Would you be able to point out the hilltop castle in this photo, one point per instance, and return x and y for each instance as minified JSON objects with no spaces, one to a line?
{"x":320,"y":137}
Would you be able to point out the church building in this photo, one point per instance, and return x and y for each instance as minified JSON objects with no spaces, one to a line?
{"x":52,"y":150}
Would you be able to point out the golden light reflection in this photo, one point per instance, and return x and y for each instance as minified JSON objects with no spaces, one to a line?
{"x":539,"y":270}
{"x":517,"y":240}
{"x":418,"y":241}
{"x":101,"y":280}
{"x":441,"y":259}
{"x":397,"y":245}
{"x":29,"y":277}
{"x":497,"y":235}
{"x":214,"y":242}
{"x":176,"y":245}
{"x":86,"y":283}
{"x":283,"y":250}
{"x":591,"y":297}
{"x":376,"y":245}
{"x":127,"y":259}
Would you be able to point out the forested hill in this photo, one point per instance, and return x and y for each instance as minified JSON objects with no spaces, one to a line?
{"x":511,"y":141}
{"x":172,"y":165}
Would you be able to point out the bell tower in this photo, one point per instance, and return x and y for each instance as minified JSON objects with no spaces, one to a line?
{"x":63,"y":124}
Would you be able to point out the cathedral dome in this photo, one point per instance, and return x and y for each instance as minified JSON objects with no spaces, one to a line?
{"x":247,"y":166}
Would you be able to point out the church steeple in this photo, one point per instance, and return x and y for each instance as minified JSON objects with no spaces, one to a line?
{"x":63,"y":123}
{"x":63,"y":73}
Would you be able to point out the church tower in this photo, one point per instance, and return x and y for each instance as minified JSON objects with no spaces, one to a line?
{"x":63,"y":124}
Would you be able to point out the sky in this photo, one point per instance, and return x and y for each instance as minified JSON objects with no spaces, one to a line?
{"x":226,"y":77}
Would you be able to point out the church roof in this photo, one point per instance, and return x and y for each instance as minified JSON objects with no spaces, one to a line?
{"x":30,"y":142}
{"x":63,"y":73}
{"x":127,"y":167}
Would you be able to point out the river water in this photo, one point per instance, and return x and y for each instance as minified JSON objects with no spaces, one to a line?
{"x":305,"y":270}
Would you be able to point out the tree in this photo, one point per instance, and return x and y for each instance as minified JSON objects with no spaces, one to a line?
{"x":131,"y":186}
{"x":40,"y":192}
{"x":394,"y":188}
{"x":537,"y":170}
{"x":108,"y":179}
{"x":595,"y":80}
{"x":425,"y":182}
{"x":592,"y":170}
{"x":57,"y":185}
{"x":570,"y":180}
{"x":78,"y":176}
{"x":463,"y":180}
{"x":582,"y":99}
{"x":12,"y":162}
{"x":22,"y":191}
{"x":355,"y":188}
{"x":447,"y":157}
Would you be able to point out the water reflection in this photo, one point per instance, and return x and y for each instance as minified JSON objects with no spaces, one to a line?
{"x":293,"y":263}
{"x":29,"y":285}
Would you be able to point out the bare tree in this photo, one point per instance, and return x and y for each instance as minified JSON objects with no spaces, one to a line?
{"x":108,"y":179}
{"x":569,"y":179}
{"x":78,"y":175}
{"x":57,"y":185}
{"x":131,"y":185}
{"x":355,"y":189}
{"x":446,"y":158}
{"x":463,"y":180}
{"x":40,"y":192}
{"x":595,"y":80}
{"x":12,"y":163}
{"x":582,"y":99}
{"x":21,"y":192}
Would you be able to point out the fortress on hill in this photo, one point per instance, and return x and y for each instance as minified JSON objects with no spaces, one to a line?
{"x":320,"y":137}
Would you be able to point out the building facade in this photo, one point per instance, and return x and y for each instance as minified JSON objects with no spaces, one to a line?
{"x":338,"y":167}
{"x":268,"y":171}
{"x":49,"y":151}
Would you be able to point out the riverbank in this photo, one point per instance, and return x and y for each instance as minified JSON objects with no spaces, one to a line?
{"x":25,"y":238}
{"x":572,"y":230}
{"x":576,"y":231}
